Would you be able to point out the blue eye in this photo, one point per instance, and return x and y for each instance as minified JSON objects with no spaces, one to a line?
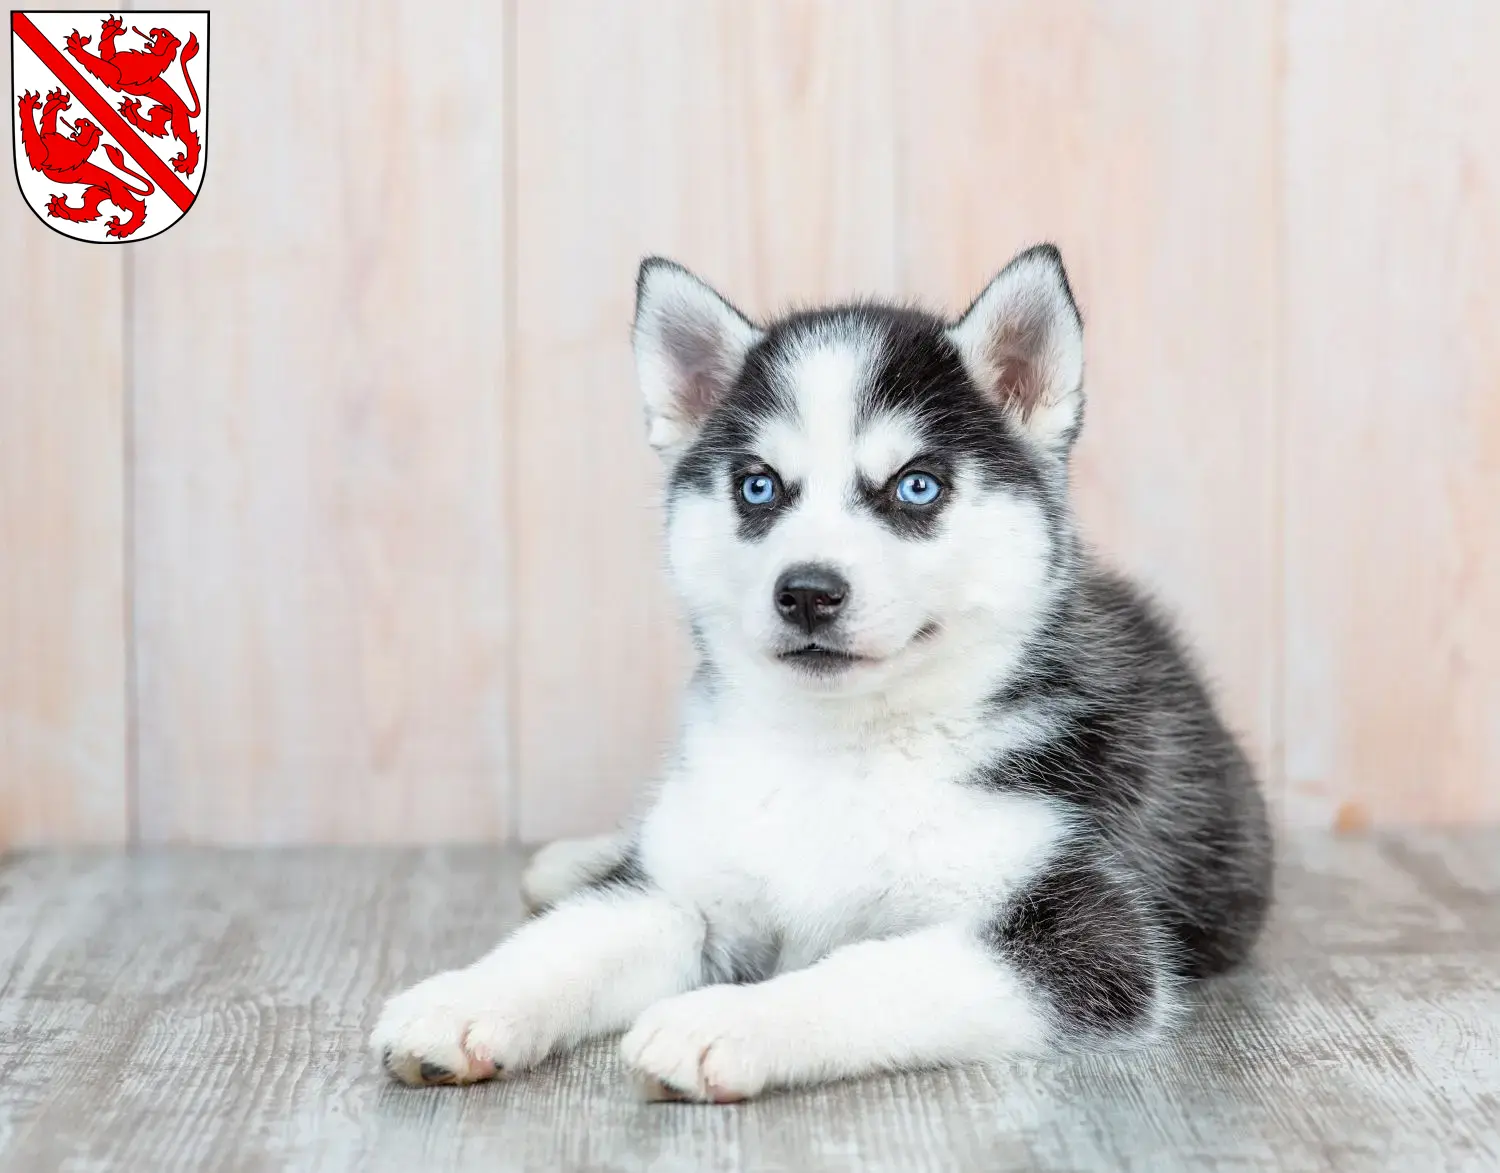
{"x":758,"y":489}
{"x":918,"y":488}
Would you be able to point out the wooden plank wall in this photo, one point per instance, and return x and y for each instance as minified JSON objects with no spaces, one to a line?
{"x":334,"y":521}
{"x":1391,"y":433}
{"x":320,"y":515}
{"x":63,"y":589}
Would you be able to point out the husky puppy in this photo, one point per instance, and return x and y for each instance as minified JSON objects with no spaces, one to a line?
{"x":946,"y":790}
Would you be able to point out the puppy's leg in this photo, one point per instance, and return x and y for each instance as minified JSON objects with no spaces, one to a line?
{"x":1072,"y":959}
{"x":587,"y":967}
{"x":566,"y":866}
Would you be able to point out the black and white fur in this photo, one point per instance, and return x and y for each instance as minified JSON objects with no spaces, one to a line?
{"x":957,"y":795}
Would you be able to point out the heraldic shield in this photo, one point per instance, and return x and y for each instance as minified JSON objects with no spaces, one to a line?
{"x":109,"y":120}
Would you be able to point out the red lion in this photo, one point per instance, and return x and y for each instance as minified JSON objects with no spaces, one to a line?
{"x":66,"y":159}
{"x":137,"y":72}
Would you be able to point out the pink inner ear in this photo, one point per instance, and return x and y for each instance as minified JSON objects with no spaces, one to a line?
{"x":699,"y":391}
{"x":697,"y":348}
{"x":1016,"y":384}
{"x":1014,"y":349}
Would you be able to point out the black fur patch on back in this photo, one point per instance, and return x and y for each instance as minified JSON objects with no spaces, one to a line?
{"x":1225,"y":864}
{"x":1135,"y":747}
{"x":1080,"y":939}
{"x":1086,"y":763}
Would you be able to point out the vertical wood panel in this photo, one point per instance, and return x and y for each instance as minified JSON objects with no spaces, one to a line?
{"x":751,"y":142}
{"x":321,"y":601}
{"x":1140,"y":138}
{"x":1392,"y":256}
{"x":62,"y":589}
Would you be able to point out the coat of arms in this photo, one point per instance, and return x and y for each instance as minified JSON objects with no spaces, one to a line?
{"x":109,"y":120}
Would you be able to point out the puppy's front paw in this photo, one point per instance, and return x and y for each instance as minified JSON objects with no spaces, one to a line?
{"x":456,"y":1028}
{"x":711,"y":1044}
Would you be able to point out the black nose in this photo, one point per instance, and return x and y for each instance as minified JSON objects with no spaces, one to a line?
{"x":808,"y":596}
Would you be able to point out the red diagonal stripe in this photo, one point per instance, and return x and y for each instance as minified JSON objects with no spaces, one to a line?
{"x":73,"y":81}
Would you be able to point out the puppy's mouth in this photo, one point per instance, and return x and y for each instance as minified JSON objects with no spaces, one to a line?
{"x":822,"y":660}
{"x":819,"y":660}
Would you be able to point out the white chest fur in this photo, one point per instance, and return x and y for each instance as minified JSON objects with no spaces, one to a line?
{"x":780,"y":834}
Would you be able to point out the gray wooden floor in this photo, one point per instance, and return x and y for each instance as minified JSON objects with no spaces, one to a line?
{"x":207,"y":1010}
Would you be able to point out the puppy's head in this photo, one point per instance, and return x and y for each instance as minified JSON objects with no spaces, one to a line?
{"x":856,"y":491}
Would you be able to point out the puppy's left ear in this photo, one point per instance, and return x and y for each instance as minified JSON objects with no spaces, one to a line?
{"x":1022,"y":342}
{"x":690,"y":345}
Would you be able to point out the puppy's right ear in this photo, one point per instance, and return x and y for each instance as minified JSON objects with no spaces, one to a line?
{"x":690,"y":345}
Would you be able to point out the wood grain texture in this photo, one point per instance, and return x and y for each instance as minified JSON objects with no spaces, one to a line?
{"x":1392,"y":251}
{"x":321,"y":599}
{"x":207,"y":1011}
{"x":750,"y":142}
{"x":1141,"y":139}
{"x":63,"y":732}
